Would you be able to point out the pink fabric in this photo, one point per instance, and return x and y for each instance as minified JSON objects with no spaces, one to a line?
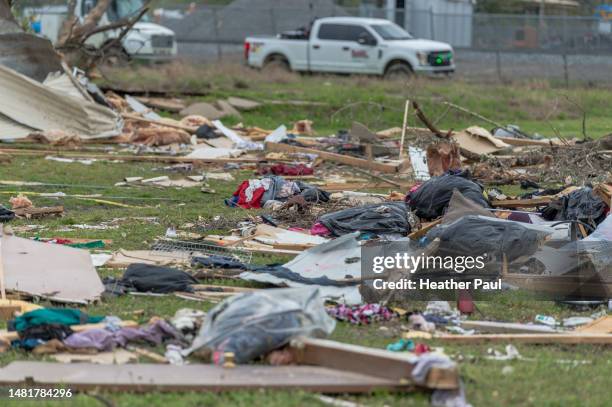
{"x":318,"y":229}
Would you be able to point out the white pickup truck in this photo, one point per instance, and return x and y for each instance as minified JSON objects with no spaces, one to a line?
{"x":351,"y":45}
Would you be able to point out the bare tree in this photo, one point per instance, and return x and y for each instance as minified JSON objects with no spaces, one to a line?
{"x":7,"y":20}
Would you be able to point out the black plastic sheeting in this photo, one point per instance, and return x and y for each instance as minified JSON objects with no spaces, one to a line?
{"x":476,"y":236}
{"x":432,"y":198}
{"x":380,"y":219}
{"x":581,"y":204}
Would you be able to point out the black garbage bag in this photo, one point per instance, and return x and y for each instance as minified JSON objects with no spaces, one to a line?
{"x":6,"y":214}
{"x":473,"y":235}
{"x":389,"y":217}
{"x":156,"y":279}
{"x":582,"y":205}
{"x":432,"y":198}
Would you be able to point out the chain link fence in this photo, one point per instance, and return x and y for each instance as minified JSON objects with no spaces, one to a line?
{"x":492,"y":46}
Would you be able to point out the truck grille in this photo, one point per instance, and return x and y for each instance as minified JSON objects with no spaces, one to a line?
{"x":440,"y":58}
{"x":162,"y":41}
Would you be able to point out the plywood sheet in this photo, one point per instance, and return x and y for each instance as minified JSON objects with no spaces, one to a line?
{"x":197,"y":377}
{"x":54,"y":271}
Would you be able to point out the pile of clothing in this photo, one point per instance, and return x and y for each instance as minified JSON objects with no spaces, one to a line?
{"x":256,"y":193}
{"x":360,"y":314}
{"x":49,"y":330}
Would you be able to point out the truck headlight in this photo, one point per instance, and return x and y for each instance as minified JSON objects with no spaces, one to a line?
{"x":422,"y":57}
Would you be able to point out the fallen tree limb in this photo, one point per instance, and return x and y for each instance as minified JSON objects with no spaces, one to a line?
{"x":427,"y":122}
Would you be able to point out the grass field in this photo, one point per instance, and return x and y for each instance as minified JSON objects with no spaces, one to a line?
{"x":549,"y":375}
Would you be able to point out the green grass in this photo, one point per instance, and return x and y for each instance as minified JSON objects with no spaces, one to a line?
{"x":536,"y":106}
{"x":543,"y":381}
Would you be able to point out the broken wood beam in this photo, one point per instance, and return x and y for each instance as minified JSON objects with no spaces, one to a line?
{"x":188,"y":129}
{"x":425,"y":227}
{"x":363,"y":360}
{"x":536,"y":338}
{"x":522,"y":203}
{"x":32,"y":212}
{"x":333,"y":157}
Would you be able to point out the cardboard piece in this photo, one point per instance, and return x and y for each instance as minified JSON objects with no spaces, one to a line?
{"x":479,"y":141}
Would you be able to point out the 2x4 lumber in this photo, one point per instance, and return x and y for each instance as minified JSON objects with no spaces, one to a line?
{"x":522,"y":203}
{"x":539,"y":338}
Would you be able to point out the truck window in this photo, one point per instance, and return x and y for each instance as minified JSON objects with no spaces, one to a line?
{"x":342,"y":32}
{"x":391,"y":32}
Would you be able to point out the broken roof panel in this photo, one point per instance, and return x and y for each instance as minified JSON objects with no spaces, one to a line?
{"x":33,"y":105}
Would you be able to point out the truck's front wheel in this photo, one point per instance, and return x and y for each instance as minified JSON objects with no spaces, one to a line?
{"x":398,"y":71}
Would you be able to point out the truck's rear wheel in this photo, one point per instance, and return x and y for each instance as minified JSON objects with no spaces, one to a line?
{"x":398,"y":71}
{"x":277,"y":63}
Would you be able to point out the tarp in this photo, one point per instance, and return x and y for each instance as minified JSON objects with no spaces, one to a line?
{"x":337,"y":259}
{"x":26,"y":105}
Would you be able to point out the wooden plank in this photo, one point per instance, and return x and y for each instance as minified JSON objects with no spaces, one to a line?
{"x":146,"y":377}
{"x":426,"y":227}
{"x":359,"y":359}
{"x":505,"y":327}
{"x":135,"y":117}
{"x":522,"y":203}
{"x":333,"y":157}
{"x":529,"y":142}
{"x":539,"y":338}
{"x":602,"y":325}
{"x":137,"y":158}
